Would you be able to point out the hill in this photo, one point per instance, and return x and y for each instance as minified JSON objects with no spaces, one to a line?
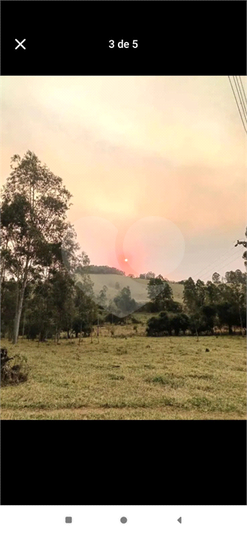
{"x":138,"y":287}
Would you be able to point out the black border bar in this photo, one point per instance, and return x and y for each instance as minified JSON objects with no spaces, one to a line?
{"x":124,"y":462}
{"x":174,"y":38}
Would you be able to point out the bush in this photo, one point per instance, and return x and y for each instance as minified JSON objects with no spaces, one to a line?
{"x":158,"y":326}
{"x":166,"y":324}
{"x":13,"y":373}
{"x":134,"y":320}
{"x":179,"y":322}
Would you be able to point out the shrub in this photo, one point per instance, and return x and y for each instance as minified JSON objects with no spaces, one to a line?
{"x":14,"y":373}
{"x":167,"y":323}
{"x":158,"y":326}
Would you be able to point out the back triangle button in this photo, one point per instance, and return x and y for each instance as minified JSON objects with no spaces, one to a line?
{"x":180,"y":520}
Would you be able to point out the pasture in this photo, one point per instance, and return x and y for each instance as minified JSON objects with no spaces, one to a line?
{"x":138,"y":287}
{"x":130,"y":378}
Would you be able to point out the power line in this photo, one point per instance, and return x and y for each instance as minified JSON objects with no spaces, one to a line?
{"x":222,"y":257}
{"x":233,"y":257}
{"x":237,"y":104}
{"x":243,"y":89}
{"x":223,"y":265}
{"x":240,"y":92}
{"x":235,"y":79}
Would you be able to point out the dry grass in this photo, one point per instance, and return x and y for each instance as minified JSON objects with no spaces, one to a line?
{"x":134,"y":378}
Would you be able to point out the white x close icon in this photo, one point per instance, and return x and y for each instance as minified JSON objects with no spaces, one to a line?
{"x":20,"y":44}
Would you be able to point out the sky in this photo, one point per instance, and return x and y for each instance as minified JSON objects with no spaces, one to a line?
{"x":156,"y":165}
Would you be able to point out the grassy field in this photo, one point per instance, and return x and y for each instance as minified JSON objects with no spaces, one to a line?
{"x":130,"y":378}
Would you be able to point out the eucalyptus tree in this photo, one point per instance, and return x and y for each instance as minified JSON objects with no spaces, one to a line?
{"x":33,"y":226}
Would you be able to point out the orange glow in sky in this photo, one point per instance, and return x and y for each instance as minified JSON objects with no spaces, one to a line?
{"x":156,"y":165}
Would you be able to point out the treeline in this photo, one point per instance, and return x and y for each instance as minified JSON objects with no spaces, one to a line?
{"x":206,"y":306}
{"x":102,"y":270}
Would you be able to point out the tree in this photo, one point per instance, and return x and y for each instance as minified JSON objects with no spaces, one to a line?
{"x":124,"y":303}
{"x":86,"y":311}
{"x":212,"y":293}
{"x":173,"y":306}
{"x":104,"y":269}
{"x":228,"y":315}
{"x":240,"y":277}
{"x":230,"y":276}
{"x":194,"y":295}
{"x":150,"y":275}
{"x":231,"y":305}
{"x":208,"y":314}
{"x":160,"y":293}
{"x":102,"y":298}
{"x":190,"y":295}
{"x":8,"y":299}
{"x":62,"y":301}
{"x":158,"y":326}
{"x":179,"y":322}
{"x":34,"y":206}
{"x":200,"y":293}
{"x":154,"y":287}
{"x":216,"y":278}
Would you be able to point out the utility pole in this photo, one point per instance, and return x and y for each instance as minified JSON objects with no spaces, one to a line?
{"x":244,"y":243}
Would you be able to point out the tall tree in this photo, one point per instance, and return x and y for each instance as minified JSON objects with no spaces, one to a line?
{"x":160,"y":293}
{"x":190,"y":295}
{"x":34,"y":206}
{"x":124,"y":303}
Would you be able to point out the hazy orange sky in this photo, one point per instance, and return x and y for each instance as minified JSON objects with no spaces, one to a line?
{"x":156,"y":165}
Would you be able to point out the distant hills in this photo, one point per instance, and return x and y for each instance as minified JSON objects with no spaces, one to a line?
{"x":116,"y":282}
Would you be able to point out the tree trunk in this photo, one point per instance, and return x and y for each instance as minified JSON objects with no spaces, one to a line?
{"x":18,"y":313}
{"x":23,"y":323}
{"x":58,"y":335}
{"x":19,"y":303}
{"x":241,"y":321}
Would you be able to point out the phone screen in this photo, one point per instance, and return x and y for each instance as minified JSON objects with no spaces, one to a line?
{"x":123,"y":267}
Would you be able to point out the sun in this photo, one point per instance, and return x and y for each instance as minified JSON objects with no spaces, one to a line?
{"x":126,"y":259}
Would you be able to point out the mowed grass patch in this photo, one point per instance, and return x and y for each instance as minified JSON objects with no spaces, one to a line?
{"x":134,"y":378}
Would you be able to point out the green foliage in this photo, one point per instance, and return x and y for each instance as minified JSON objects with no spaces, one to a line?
{"x":160,"y":294}
{"x":179,"y":322}
{"x":14,"y":370}
{"x":216,"y":303}
{"x":167,"y":324}
{"x":8,"y":304}
{"x":158,"y":326}
{"x":102,"y":297}
{"x":103,"y":270}
{"x":34,"y":205}
{"x":216,"y":278}
{"x":123,"y":303}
